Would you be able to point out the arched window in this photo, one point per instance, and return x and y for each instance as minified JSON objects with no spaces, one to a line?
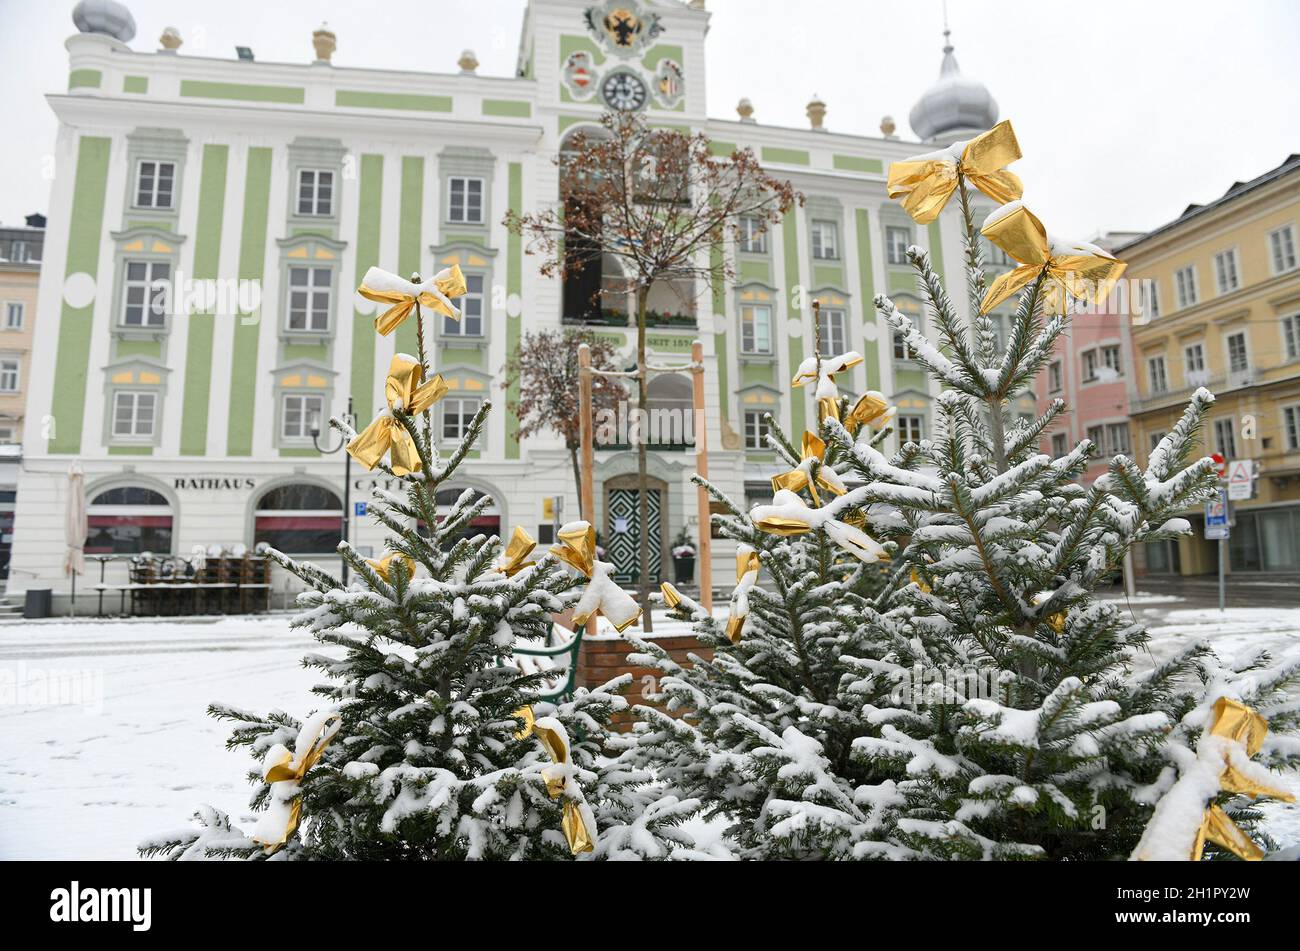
{"x":299,"y":519}
{"x":670,"y":400}
{"x":128,"y":520}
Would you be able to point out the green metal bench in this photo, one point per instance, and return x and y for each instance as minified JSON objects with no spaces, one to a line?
{"x":562,"y":646}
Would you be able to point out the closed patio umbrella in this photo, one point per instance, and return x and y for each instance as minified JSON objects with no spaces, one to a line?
{"x":75,"y":528}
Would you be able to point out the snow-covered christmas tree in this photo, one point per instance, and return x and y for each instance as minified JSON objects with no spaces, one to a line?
{"x":984,"y":704}
{"x":430,"y":742}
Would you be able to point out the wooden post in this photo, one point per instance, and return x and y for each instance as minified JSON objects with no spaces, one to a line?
{"x":587,"y":501}
{"x":702,"y":467}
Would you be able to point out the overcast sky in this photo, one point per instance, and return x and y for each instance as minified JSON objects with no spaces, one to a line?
{"x":1127,"y":111}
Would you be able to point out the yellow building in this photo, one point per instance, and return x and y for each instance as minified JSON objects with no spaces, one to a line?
{"x":1221,"y":290}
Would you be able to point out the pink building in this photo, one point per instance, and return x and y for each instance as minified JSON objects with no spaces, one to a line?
{"x":1092,"y":370}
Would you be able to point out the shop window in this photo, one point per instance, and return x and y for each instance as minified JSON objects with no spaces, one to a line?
{"x":299,"y":519}
{"x":128,"y":520}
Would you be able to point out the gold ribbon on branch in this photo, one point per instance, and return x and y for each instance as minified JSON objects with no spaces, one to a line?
{"x":871,"y":409}
{"x":556,"y":744}
{"x":1079,"y":270}
{"x":747,"y":567}
{"x":926,"y":182}
{"x":823,"y":374}
{"x":383,"y":287}
{"x":788,"y":514}
{"x":672,"y":597}
{"x":279,"y":767}
{"x":798,"y":478}
{"x":577,"y":549}
{"x":1238,"y":723}
{"x":384,"y":566}
{"x":407,"y":391}
{"x":520,"y":547}
{"x":920,"y":582}
{"x":1055,"y":621}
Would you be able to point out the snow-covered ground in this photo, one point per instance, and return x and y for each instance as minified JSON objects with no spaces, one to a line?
{"x":104,"y":738}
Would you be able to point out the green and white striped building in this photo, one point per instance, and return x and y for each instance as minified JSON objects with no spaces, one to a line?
{"x":193,"y":429}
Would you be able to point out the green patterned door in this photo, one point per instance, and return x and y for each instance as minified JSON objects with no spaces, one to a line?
{"x":624,"y":540}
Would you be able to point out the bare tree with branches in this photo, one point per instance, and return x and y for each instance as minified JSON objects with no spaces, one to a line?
{"x":546,"y":369}
{"x":662,"y":204}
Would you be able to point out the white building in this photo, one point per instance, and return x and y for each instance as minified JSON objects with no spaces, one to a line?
{"x":194,"y":429}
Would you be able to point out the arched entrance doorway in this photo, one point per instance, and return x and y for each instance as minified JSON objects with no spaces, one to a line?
{"x":621,"y":534}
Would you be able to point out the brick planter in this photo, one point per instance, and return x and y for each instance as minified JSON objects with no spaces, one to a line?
{"x":600,"y":661}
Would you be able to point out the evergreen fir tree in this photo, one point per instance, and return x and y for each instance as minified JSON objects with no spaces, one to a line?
{"x":426,"y":746}
{"x":984,"y":704}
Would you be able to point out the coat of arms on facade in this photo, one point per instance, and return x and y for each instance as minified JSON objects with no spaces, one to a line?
{"x":669,"y":84}
{"x":620,"y":27}
{"x":580,"y":75}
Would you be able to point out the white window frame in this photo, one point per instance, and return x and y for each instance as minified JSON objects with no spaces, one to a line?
{"x":1151,"y":298}
{"x":1282,"y":249}
{"x":1226,"y":424}
{"x":1291,"y":427}
{"x":1114,"y":446}
{"x":1055,"y":376}
{"x":749,"y":338}
{"x":1159,"y":382}
{"x":834,"y":330}
{"x":460,"y":214}
{"x":757,"y":441}
{"x":316,"y":206}
{"x":471,"y":299}
{"x":1090,"y":365}
{"x":1185,"y":289}
{"x":154,"y":296}
{"x":11,"y":366}
{"x":1227,"y":275}
{"x":1112,"y":357}
{"x":752,"y":236}
{"x":1291,"y":335}
{"x":154,"y":193}
{"x":1197,"y":365}
{"x":134,"y":431}
{"x":312,"y":292}
{"x":825,"y":239}
{"x":1245,"y":351}
{"x":307,"y":405}
{"x":895,"y":253}
{"x":12,"y":307}
{"x":463,"y":416}
{"x":911,"y":428}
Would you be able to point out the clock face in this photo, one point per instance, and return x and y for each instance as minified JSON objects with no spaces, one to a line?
{"x":624,"y":92}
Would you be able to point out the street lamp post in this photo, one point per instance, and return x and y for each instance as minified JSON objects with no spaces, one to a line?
{"x":347,"y":475}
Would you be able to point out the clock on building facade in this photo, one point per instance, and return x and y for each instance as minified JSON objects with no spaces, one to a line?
{"x":624,"y":92}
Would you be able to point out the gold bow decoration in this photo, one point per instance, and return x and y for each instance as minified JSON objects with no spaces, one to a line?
{"x":577,"y":549}
{"x":1055,"y":621}
{"x":551,"y":734}
{"x":800,"y":478}
{"x":383,"y":566}
{"x":672,"y":597}
{"x":1079,"y":270}
{"x":408,"y":392}
{"x":920,"y":582}
{"x":926,"y":182}
{"x":747,"y":566}
{"x":788,"y":514}
{"x":1244,"y":730}
{"x":285,"y":772}
{"x":384,"y":287}
{"x":871,"y":409}
{"x":823,"y":373}
{"x":520,"y":547}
